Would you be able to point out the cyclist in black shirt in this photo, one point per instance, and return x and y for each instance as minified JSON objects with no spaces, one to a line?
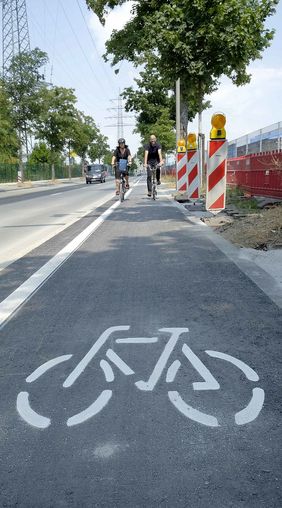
{"x":121,"y":152}
{"x":152,"y":156}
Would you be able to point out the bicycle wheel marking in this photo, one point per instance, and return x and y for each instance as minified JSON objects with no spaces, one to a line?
{"x":28,"y":414}
{"x":249,"y":373}
{"x":250,"y":413}
{"x":190,"y":412}
{"x":91,"y":410}
{"x":46,"y":366}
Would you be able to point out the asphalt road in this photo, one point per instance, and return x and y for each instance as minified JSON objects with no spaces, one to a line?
{"x":154,"y":415}
{"x":29,"y":217}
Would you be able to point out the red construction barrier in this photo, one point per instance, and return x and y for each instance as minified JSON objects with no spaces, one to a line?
{"x":258,"y":174}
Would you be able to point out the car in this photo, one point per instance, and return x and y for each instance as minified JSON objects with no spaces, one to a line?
{"x":95,"y":173}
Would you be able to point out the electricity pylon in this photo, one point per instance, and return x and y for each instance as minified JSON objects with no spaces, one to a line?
{"x":15,"y":32}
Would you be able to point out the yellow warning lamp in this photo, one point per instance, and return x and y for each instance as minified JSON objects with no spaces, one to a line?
{"x":191,"y":141}
{"x":218,"y":122}
{"x":181,"y":147}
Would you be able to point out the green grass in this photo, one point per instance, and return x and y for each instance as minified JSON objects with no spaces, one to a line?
{"x":235,"y":196}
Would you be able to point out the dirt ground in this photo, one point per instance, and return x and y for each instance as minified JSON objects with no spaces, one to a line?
{"x":260,"y":229}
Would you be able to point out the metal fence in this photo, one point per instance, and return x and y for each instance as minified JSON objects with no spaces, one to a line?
{"x":9,"y":172}
{"x":263,"y":140}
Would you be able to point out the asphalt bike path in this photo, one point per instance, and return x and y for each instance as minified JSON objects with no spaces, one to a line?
{"x":144,"y":372}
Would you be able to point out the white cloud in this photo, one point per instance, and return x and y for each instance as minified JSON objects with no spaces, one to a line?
{"x":247,"y":108}
{"x":115,"y":20}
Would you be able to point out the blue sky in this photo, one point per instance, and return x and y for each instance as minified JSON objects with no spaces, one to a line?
{"x":61,"y":28}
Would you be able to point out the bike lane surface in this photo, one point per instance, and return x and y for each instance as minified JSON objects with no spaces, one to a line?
{"x":148,"y":269}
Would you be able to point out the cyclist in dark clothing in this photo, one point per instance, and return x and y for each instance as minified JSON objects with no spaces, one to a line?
{"x":121,"y":152}
{"x":152,"y":156}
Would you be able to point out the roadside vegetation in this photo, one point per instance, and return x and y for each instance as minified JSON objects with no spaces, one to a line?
{"x":32,"y":110}
{"x":197,"y":41}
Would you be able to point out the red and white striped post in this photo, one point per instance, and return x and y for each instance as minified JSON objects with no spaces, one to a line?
{"x":181,"y":166}
{"x":193,"y":167}
{"x":216,"y":166}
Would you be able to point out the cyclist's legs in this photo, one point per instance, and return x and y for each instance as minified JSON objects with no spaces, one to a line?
{"x":117,"y":177}
{"x":149,"y":179}
{"x":158,"y":174}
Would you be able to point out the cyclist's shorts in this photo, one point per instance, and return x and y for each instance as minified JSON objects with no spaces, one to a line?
{"x":118,"y":172}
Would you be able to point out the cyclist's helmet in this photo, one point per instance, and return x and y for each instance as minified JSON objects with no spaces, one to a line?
{"x":121,"y":141}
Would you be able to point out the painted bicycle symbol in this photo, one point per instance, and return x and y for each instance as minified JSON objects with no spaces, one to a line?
{"x":242,"y":417}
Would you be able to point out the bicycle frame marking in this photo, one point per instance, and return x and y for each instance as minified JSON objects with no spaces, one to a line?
{"x":246,"y":415}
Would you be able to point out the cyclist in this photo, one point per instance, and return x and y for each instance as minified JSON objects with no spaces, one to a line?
{"x":153,"y":156}
{"x":121,"y":152}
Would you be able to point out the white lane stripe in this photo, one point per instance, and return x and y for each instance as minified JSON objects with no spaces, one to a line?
{"x":56,"y":194}
{"x":16,"y":299}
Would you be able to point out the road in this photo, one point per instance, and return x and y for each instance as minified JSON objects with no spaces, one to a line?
{"x":165,"y":385}
{"x":24,"y":227}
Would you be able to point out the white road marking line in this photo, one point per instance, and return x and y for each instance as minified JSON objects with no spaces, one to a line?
{"x":162,"y":361}
{"x":27,"y":413}
{"x":172,"y":371}
{"x":138,"y":340}
{"x":46,"y":366}
{"x":31,"y":285}
{"x":249,"y":373}
{"x":210,"y":382}
{"x":125,"y":369}
{"x":249,"y":413}
{"x":108,"y":371}
{"x":91,"y":353}
{"x":190,"y":412}
{"x":56,"y":194}
{"x":92,"y":410}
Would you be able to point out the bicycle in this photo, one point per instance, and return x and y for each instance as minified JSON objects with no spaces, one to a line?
{"x":208,"y":383}
{"x":122,"y":166}
{"x":153,"y":169}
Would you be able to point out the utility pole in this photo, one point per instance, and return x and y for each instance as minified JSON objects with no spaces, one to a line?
{"x":177,"y":96}
{"x":15,"y":41}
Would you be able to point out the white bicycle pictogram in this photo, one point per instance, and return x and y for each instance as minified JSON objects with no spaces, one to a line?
{"x":242,"y":417}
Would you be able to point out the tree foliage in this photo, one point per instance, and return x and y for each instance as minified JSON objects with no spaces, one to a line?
{"x":9,"y":141}
{"x":198,"y":41}
{"x":23,"y":84}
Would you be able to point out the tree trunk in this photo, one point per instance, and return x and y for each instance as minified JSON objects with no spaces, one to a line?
{"x":53,"y":172}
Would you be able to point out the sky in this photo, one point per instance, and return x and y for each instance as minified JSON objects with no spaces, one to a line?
{"x":75,"y":42}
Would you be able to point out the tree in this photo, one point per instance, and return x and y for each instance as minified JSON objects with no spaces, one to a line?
{"x":85,"y":133}
{"x":99,"y":149}
{"x":57,"y":117}
{"x":9,"y":141}
{"x":22,"y":84}
{"x":195,"y":40}
{"x":41,"y":154}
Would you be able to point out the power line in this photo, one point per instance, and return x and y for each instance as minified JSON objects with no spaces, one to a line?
{"x":78,"y":41}
{"x":107,"y":74}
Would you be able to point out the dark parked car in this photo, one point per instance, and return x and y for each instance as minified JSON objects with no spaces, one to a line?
{"x":95,"y":173}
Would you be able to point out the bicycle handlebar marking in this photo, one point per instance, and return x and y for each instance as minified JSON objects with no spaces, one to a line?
{"x":246,"y":415}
